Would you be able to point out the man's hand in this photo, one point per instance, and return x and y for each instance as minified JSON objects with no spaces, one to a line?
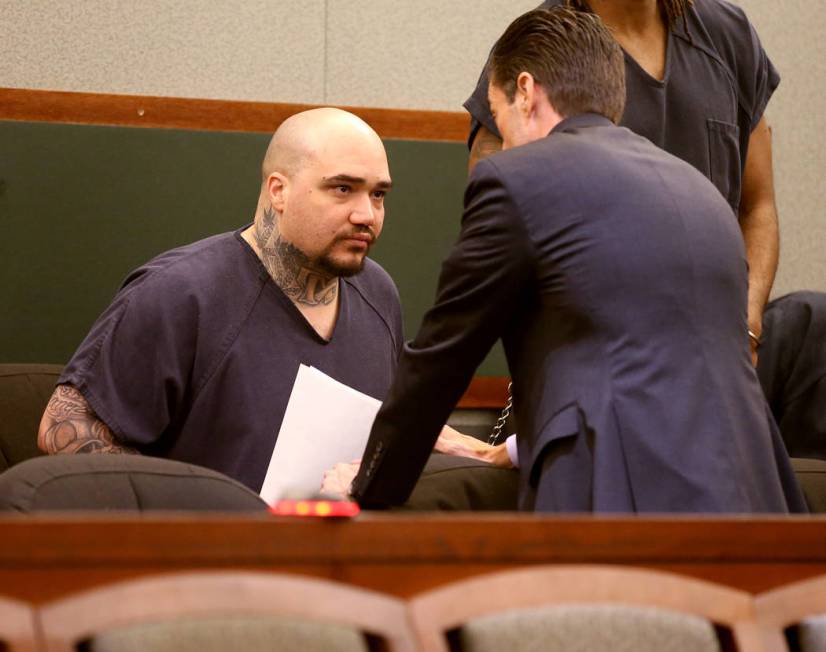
{"x":337,"y":480}
{"x":453,"y":442}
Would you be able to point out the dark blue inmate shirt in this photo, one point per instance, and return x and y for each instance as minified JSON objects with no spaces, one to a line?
{"x":718,"y":80}
{"x":195,"y":358}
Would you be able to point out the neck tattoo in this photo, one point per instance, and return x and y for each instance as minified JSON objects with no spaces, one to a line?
{"x":290,"y":267}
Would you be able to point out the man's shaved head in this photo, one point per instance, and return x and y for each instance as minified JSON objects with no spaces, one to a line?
{"x":321,"y":206}
{"x":304,"y":136}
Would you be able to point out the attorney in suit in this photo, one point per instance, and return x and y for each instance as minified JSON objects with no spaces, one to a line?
{"x":616,"y":277}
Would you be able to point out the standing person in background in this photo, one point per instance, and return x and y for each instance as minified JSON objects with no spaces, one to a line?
{"x":697,"y":85}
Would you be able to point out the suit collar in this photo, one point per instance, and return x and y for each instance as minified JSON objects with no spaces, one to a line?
{"x":581,"y":120}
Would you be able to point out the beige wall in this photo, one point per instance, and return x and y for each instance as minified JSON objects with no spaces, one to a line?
{"x":792,"y":32}
{"x":422,"y":54}
{"x":425,"y":54}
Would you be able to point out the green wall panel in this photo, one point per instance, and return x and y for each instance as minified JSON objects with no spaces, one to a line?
{"x":81,"y":206}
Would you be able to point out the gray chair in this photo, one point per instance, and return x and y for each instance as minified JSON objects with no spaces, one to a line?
{"x":216,"y":611}
{"x":794,"y":616}
{"x":17,"y":627}
{"x":120,"y":482}
{"x":584,"y":608}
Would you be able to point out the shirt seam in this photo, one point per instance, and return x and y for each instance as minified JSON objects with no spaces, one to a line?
{"x":370,"y":303}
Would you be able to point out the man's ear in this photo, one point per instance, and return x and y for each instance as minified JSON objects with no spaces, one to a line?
{"x":277,"y":190}
{"x":525,"y":92}
{"x":534,"y":102}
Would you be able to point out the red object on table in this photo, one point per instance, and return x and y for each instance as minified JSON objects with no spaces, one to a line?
{"x":322,"y":508}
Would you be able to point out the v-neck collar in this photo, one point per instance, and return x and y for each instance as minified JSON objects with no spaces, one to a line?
{"x":647,"y":76}
{"x":268,"y":282}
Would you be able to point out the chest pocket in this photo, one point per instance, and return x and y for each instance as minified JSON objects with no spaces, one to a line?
{"x":724,"y":160}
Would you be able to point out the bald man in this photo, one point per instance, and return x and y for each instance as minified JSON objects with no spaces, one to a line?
{"x":196,"y":356}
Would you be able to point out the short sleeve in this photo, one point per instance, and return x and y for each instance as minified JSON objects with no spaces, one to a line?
{"x":764,"y":82}
{"x":738,"y":44}
{"x":134,"y":365}
{"x":479,"y":108}
{"x":477,"y":104}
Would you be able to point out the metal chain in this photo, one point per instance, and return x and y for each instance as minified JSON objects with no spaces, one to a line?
{"x":503,"y":417}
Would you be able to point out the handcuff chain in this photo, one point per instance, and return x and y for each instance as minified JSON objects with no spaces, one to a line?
{"x":503,"y":417}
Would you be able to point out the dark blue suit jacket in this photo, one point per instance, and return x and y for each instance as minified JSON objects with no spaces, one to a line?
{"x":616,"y":276}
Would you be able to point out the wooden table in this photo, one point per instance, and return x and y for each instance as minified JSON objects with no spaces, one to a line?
{"x":42,"y":557}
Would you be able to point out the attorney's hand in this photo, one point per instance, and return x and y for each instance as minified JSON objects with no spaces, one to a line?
{"x":337,"y":480}
{"x":453,"y":442}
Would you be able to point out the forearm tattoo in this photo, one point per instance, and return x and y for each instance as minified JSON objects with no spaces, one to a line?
{"x":70,"y":426}
{"x":290,"y":267}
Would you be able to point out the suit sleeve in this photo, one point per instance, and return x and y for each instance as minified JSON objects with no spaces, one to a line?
{"x":482,"y":281}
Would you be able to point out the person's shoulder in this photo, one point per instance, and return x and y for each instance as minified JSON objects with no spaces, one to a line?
{"x":512,"y":169}
{"x":720,"y":14}
{"x":374,"y":284}
{"x":560,"y":150}
{"x":206,"y":276}
{"x":727,"y":27}
{"x":196,"y":263}
{"x":733,"y":39}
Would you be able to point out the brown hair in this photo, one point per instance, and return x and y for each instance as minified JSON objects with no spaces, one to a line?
{"x":571,"y":54}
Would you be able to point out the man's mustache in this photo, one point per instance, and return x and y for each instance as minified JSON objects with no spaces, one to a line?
{"x":361,"y":233}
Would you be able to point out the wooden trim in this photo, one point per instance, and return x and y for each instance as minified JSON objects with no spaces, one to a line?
{"x":43,"y":556}
{"x":485,"y":392}
{"x":212,"y":115}
{"x":190,"y":538}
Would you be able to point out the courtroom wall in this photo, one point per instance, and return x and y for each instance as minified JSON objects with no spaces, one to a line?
{"x":389,"y":53}
{"x":82,"y":205}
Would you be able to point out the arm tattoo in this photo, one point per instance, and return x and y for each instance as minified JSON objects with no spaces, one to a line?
{"x":70,"y":426}
{"x":484,"y":144}
{"x":290,"y":267}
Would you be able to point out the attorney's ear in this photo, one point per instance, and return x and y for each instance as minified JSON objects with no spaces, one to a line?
{"x":525,"y":94}
{"x":534,"y":104}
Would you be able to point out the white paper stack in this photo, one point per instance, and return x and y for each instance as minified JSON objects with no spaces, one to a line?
{"x":326,"y":422}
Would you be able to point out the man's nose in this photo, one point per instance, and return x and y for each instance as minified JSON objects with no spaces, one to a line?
{"x":364,"y":211}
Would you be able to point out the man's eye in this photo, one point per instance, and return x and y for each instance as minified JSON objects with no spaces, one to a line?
{"x":342,"y":190}
{"x":379,"y":194}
